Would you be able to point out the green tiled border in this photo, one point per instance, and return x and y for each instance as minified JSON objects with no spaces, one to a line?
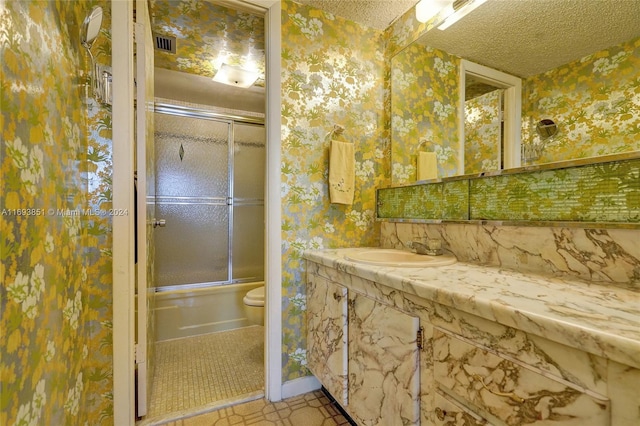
{"x":442,"y":200}
{"x":602,"y":192}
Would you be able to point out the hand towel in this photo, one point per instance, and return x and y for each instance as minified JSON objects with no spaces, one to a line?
{"x":427,"y":165}
{"x":342,"y":174}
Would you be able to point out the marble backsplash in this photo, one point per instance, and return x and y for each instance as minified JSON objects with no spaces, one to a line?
{"x":600,"y":255}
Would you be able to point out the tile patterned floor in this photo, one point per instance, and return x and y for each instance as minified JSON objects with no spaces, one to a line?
{"x":311,"y":409}
{"x":198,"y":372}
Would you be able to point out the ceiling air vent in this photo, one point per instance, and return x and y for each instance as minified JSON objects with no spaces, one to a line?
{"x":165,"y":43}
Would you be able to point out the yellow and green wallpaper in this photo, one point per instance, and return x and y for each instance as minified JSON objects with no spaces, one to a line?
{"x":424,"y":115}
{"x":595,"y":102}
{"x":332,"y":74}
{"x":483,"y":132}
{"x":56,"y":355}
{"x":208,"y":35}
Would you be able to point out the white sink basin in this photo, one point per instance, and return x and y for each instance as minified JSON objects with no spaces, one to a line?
{"x":399,"y":258}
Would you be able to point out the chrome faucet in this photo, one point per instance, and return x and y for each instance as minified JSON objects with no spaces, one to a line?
{"x":419,"y":247}
{"x":432,"y":248}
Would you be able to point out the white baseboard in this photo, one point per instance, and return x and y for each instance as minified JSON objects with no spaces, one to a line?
{"x":299,"y":386}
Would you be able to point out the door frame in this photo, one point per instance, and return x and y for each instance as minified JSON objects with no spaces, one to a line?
{"x":123,"y":198}
{"x":123,"y":226}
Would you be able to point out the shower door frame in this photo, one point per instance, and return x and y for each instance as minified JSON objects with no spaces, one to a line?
{"x":231,"y":201}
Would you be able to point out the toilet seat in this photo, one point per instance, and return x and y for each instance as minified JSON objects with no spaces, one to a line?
{"x":254,"y":297}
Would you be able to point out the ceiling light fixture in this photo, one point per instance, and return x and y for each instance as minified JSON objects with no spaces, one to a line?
{"x":459,"y":9}
{"x":235,"y":76}
{"x":427,"y":9}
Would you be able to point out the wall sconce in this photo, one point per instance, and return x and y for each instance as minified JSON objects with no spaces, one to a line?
{"x":427,"y":9}
{"x":235,"y":76}
{"x":458,"y":10}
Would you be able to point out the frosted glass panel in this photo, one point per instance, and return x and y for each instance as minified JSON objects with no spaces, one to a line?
{"x":193,"y":183}
{"x":249,"y":161}
{"x":194,"y":245}
{"x":248,"y":242}
{"x":191,"y":156}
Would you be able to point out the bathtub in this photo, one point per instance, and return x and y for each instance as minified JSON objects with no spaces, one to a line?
{"x":184,"y":313}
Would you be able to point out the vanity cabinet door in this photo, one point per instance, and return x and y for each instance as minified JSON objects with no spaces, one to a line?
{"x":383,"y":364}
{"x":512,"y":392}
{"x":327,"y":335}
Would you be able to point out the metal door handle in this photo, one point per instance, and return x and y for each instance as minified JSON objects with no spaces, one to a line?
{"x":159,"y":222}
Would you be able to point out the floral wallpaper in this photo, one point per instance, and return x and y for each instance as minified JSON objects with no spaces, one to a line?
{"x":406,"y":29}
{"x":231,"y":37}
{"x":333,"y":73}
{"x":483,"y":132}
{"x":595,"y":101}
{"x":424,"y":115}
{"x":56,"y":361}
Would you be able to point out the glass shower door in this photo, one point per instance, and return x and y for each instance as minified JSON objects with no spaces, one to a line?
{"x":248,"y":202}
{"x":192,"y":195}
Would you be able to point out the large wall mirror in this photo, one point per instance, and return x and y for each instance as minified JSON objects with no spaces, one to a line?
{"x":578,"y":64}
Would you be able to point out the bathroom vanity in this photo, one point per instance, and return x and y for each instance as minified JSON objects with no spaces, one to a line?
{"x":463,"y":344}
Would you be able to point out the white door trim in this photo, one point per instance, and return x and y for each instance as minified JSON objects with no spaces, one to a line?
{"x":512,"y":109}
{"x":273,"y":238}
{"x":123,"y":227}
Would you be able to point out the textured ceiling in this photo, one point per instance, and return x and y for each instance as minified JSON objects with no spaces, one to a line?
{"x":378,"y":14}
{"x":520,"y":37}
{"x":527,"y":37}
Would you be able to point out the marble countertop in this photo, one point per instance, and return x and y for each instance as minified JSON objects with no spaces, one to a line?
{"x":599,"y":319}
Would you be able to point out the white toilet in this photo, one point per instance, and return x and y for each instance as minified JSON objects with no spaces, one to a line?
{"x":254,"y":305}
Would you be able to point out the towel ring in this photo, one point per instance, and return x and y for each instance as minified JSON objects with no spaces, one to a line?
{"x":337,"y":130}
{"x":422,"y":145}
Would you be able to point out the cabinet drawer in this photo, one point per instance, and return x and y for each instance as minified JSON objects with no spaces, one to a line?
{"x":450,"y":413}
{"x":509,"y":391}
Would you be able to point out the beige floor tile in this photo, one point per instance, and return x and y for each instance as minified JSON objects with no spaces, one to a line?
{"x":311,"y":409}
{"x":201,"y":370}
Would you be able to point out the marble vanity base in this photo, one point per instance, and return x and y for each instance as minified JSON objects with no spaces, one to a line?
{"x":500,"y":347}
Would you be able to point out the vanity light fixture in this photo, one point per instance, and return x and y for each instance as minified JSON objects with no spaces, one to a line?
{"x":427,"y":9}
{"x":235,"y":76}
{"x":458,"y":10}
